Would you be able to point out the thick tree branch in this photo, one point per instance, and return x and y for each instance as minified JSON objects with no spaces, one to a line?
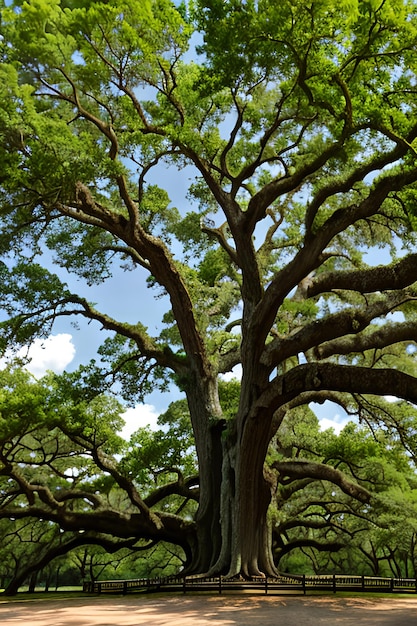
{"x":381,"y":278}
{"x":160,"y":264}
{"x":117,"y":524}
{"x":349,"y":322}
{"x":319,"y":471}
{"x":388,"y":335}
{"x":184,"y":487}
{"x":332,"y":377}
{"x":31,"y":490}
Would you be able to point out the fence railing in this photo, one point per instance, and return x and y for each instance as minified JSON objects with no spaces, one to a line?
{"x":284,"y":583}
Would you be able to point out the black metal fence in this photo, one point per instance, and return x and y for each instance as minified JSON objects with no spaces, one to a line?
{"x":286,"y":583}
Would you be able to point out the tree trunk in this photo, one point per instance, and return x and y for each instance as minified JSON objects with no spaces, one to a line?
{"x":57,"y":572}
{"x":252,"y":549}
{"x":12,"y":588}
{"x":208,"y":426}
{"x":32,"y":582}
{"x":233,"y":535}
{"x":208,"y":516}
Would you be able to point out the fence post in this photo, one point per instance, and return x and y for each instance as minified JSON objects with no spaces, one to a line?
{"x":220,"y":585}
{"x":304,"y":584}
{"x":124,"y":587}
{"x":334,"y":583}
{"x":184,"y":587}
{"x":391,"y":585}
{"x":363,"y":582}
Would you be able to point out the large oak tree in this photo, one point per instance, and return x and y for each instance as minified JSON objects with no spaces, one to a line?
{"x":298,"y":122}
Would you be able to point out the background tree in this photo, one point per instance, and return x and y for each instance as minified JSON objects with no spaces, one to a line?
{"x":318,"y":526}
{"x":68,"y":482}
{"x":298,"y":121}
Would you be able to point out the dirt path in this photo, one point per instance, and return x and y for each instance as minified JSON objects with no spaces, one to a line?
{"x":212,"y":611}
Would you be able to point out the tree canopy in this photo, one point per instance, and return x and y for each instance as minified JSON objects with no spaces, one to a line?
{"x":297,"y":121}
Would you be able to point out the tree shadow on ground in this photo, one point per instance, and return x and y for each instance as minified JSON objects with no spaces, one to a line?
{"x":212,"y":611}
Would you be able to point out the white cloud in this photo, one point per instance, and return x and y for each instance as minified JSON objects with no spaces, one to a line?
{"x":53,"y":353}
{"x":142,"y":415}
{"x":337,"y":423}
{"x":391,"y":399}
{"x":234,"y":374}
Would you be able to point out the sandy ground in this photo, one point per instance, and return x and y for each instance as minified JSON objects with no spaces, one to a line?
{"x":212,"y":611}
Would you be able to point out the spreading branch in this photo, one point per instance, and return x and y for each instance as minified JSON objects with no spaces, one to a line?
{"x":319,"y":471}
